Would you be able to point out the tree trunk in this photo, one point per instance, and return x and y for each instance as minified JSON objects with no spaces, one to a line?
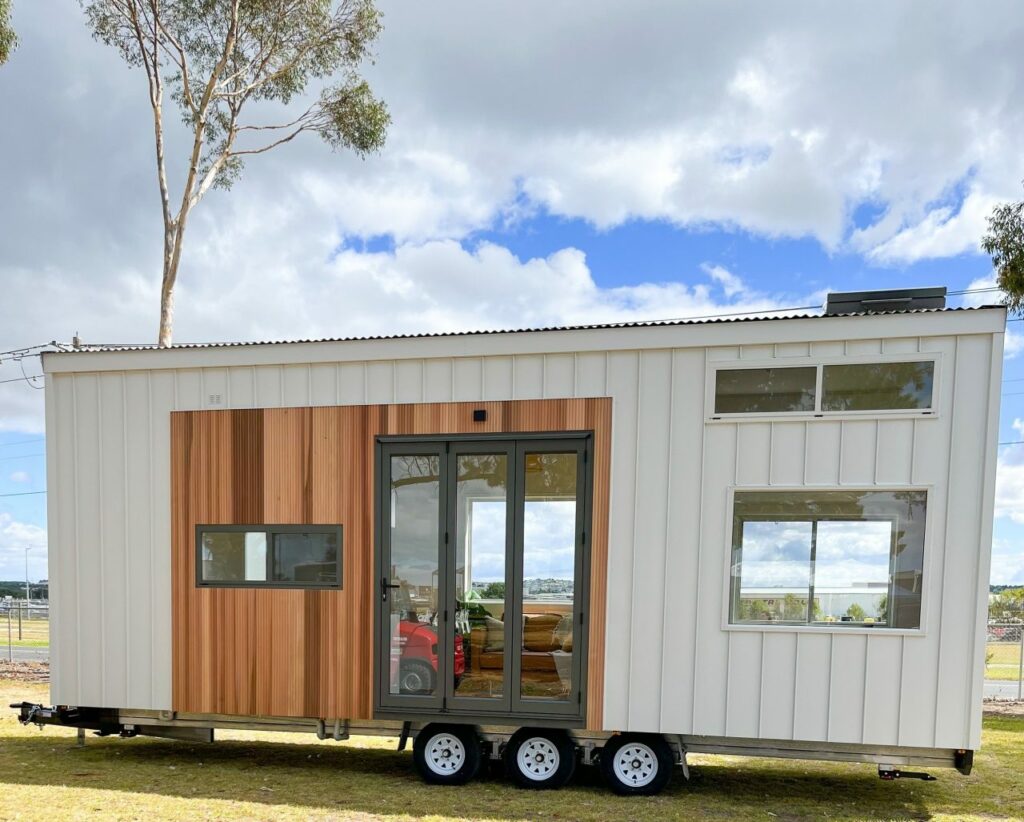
{"x":166,"y":313}
{"x":173,"y":235}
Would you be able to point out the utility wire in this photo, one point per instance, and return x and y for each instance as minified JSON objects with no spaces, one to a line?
{"x":27,"y":378}
{"x":23,"y":494}
{"x":22,"y":457}
{"x":22,"y":442}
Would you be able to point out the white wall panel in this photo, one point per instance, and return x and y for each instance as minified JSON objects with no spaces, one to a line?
{"x":682,"y":539}
{"x":652,"y":495}
{"x":895,"y":452}
{"x":469,"y":375}
{"x":846,"y":688}
{"x":711,"y":661}
{"x":323,"y":384}
{"x":437,"y":378}
{"x":787,"y":455}
{"x":214,"y":387}
{"x":352,"y":383}
{"x":624,"y":385}
{"x":242,"y":387}
{"x":295,"y":385}
{"x":409,"y":381}
{"x":824,"y":449}
{"x":380,"y":382}
{"x":753,"y":453}
{"x":497,"y":378}
{"x":162,"y":397}
{"x":812,"y":693}
{"x":529,"y":377}
{"x":777,"y":685}
{"x":591,"y":380}
{"x":883,"y":671}
{"x":112,"y":513}
{"x":559,"y":375}
{"x":743,"y":685}
{"x":858,"y":456}
{"x":268,"y":384}
{"x":139,"y":479}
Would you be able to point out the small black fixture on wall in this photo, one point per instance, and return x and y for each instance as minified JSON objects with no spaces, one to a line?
{"x":479,"y":415}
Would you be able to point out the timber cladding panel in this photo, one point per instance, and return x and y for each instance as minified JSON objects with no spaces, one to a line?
{"x":309,"y":653}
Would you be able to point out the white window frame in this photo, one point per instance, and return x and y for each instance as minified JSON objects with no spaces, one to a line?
{"x":827,"y":628}
{"x":820,"y":362}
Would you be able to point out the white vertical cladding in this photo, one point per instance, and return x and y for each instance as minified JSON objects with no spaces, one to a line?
{"x":623,"y":382}
{"x":528,"y":377}
{"x":468,"y":376}
{"x":162,"y":400}
{"x":682,"y":535}
{"x":437,"y":380}
{"x":62,"y":538}
{"x":497,"y":377}
{"x":711,"y":657}
{"x":967,"y":482}
{"x":652,"y":493}
{"x":139,"y":479}
{"x":90,"y":558}
{"x":114,"y":584}
{"x":930,"y":454}
{"x":409,"y":381}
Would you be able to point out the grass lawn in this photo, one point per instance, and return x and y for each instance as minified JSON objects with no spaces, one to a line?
{"x":285,"y":776}
{"x":35,"y":633}
{"x":1003,"y":660}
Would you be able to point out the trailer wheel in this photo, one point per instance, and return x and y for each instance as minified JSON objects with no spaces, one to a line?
{"x":447,"y":754}
{"x":540,"y":758}
{"x":637,"y":764}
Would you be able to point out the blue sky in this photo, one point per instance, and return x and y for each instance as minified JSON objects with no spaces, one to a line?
{"x":546,"y":164}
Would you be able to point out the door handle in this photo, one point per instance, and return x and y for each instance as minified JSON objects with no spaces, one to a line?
{"x":384,"y":586}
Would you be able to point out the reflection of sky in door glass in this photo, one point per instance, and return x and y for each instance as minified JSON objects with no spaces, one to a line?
{"x":414,"y":517}
{"x":487,"y":537}
{"x":776,"y":554}
{"x":852,"y":553}
{"x":549,"y":535}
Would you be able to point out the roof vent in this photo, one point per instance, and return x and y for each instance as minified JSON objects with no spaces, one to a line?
{"x":893,"y":299}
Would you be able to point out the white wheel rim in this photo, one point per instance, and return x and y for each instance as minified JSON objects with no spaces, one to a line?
{"x":538,"y":759}
{"x":635,"y":765}
{"x":445,"y":754}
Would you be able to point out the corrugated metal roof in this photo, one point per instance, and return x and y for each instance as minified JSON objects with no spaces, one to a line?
{"x":724,"y":318}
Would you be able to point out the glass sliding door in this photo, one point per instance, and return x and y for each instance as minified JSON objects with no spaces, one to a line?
{"x":412,"y":636}
{"x":483,"y":573}
{"x":551,"y":504}
{"x":480,"y":516}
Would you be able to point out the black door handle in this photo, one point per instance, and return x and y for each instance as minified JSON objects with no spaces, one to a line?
{"x":384,"y":586}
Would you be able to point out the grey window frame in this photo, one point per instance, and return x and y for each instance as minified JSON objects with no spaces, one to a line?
{"x":818,"y":412}
{"x":270,"y":531}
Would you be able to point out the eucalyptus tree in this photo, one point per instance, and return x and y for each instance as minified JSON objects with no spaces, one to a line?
{"x":7,"y":39}
{"x":1004,"y":242}
{"x":226,"y":65}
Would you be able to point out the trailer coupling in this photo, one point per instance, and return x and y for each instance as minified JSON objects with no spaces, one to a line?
{"x":101,"y":720}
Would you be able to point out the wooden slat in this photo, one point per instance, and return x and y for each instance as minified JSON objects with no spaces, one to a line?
{"x":310,"y":653}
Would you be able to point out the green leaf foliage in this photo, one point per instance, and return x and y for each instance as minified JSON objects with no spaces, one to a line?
{"x":1004,"y":242}
{"x":222,"y":60}
{"x":8,"y":40}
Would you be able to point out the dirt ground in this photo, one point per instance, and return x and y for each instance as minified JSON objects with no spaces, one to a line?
{"x":24,"y":671}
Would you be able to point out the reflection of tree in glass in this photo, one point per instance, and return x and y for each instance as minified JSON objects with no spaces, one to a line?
{"x":873,"y":386}
{"x":764,"y":390}
{"x":550,"y":475}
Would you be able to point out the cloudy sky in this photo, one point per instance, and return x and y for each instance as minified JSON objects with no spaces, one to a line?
{"x":548,"y":163}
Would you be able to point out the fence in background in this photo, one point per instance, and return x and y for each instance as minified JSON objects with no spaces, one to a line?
{"x":1004,"y":660}
{"x":25,"y":635}
{"x":24,"y":630}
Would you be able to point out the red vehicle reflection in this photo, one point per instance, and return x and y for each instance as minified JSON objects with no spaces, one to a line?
{"x":414,"y":660}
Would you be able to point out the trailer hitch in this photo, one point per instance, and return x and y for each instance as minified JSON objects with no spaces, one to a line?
{"x":891,"y":774}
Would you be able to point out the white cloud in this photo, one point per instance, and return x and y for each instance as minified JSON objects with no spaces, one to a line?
{"x":15,"y":537}
{"x":20,"y":476}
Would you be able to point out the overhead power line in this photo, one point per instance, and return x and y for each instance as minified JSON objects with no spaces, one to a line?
{"x":23,"y":494}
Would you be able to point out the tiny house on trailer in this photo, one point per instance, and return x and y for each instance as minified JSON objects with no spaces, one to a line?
{"x":616,"y":543}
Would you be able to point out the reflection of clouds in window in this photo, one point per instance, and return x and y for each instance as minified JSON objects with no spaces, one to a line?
{"x":488,"y":540}
{"x":852,"y":553}
{"x":414,"y":517}
{"x":549,"y":533}
{"x":776,"y":554}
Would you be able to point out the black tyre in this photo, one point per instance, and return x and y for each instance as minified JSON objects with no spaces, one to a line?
{"x":415,"y":676}
{"x":540,"y":758}
{"x":637,"y":764}
{"x":447,"y":754}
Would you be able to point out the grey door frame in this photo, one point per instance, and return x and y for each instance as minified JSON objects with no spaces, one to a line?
{"x":444,"y":702}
